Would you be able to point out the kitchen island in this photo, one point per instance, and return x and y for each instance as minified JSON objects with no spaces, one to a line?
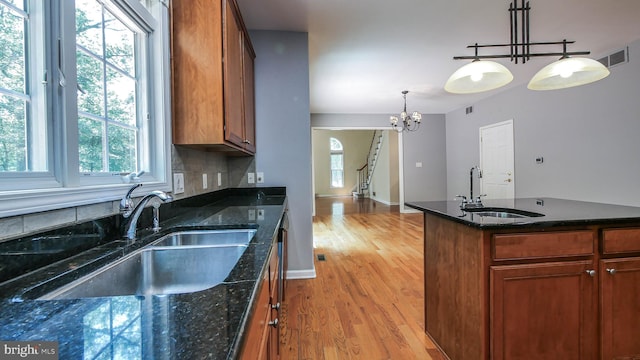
{"x":207,"y":324}
{"x":562,"y":283}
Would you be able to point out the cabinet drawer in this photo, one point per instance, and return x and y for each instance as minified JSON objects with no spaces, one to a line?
{"x":542,"y":245}
{"x":620,"y":240}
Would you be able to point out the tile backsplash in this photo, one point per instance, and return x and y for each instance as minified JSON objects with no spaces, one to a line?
{"x":188,"y":161}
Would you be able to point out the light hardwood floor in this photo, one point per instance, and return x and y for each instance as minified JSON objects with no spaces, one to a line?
{"x":367,"y":299}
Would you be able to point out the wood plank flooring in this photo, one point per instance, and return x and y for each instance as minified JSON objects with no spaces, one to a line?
{"x":367,"y":299}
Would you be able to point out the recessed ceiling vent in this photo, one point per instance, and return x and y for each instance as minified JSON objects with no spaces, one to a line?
{"x":619,"y":57}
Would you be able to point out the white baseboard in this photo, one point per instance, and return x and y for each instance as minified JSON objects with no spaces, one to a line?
{"x":301,"y":274}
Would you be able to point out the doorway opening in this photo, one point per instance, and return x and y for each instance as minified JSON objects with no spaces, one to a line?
{"x":356,"y":145}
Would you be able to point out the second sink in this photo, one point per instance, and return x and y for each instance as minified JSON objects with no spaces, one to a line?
{"x":502,"y":212}
{"x":207,"y":238}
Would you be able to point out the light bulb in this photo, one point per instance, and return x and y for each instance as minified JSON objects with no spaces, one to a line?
{"x":475,"y":77}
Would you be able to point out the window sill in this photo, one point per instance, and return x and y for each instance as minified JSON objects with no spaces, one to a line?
{"x":13,"y":203}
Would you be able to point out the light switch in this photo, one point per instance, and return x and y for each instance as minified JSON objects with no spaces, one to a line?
{"x":251,"y":178}
{"x":205,"y":183}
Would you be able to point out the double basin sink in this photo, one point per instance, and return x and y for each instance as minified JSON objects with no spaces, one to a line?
{"x":180,"y":262}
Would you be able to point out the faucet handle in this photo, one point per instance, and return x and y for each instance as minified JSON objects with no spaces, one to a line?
{"x":479,"y":198}
{"x":464,"y":198}
{"x":126,"y":203}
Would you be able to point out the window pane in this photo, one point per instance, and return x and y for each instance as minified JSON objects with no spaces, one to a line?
{"x":336,"y":161}
{"x":90,"y":143}
{"x":119,"y":44}
{"x":108,"y":83}
{"x":90,"y":83}
{"x":336,"y":178}
{"x":121,"y":91}
{"x":89,"y":25}
{"x":335,"y":144}
{"x":122,"y":149}
{"x":12,"y":55}
{"x":13,"y":142}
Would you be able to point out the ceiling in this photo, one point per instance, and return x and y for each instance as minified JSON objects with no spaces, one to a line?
{"x":363,"y":53}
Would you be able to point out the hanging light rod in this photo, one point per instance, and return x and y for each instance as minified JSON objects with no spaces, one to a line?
{"x":524,"y":56}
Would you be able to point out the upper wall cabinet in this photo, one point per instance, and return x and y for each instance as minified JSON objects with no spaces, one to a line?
{"x":212,"y":67}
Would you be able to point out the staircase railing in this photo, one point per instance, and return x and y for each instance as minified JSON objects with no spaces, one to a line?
{"x":366,"y":171}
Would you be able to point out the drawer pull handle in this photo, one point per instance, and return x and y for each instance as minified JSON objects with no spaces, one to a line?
{"x":274,"y":323}
{"x":276,"y":306}
{"x":611,"y":271}
{"x":591,"y":273}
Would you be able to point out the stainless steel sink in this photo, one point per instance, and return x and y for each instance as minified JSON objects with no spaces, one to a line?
{"x":156,"y":271}
{"x":503,"y":213}
{"x":207,"y":238}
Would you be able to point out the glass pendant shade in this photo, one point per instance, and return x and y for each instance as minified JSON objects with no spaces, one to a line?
{"x":478,"y":76}
{"x":568,"y":72}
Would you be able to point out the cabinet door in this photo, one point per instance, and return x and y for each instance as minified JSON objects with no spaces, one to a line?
{"x":620,"y":312}
{"x":543,"y":311}
{"x":249,"y":97}
{"x":233,"y":98}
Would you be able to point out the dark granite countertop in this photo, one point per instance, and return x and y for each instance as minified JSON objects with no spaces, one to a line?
{"x":206,"y":324}
{"x":556,"y":212}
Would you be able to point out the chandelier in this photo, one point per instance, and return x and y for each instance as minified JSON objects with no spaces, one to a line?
{"x":408,"y":123}
{"x":482,"y":75}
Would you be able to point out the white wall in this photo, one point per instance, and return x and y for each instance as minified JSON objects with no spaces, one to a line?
{"x":283,"y":133}
{"x":589,"y":137}
{"x":427,"y":146}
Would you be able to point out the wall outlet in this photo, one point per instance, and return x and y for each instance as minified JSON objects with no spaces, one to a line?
{"x":178,"y":183}
{"x":260,"y":178}
{"x":251,"y":178}
{"x":219,"y":179}
{"x":205,"y":182}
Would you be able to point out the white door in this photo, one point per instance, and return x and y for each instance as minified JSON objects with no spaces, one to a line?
{"x":497,"y":161}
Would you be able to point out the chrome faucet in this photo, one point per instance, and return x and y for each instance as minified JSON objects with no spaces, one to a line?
{"x":471,"y":202}
{"x":126,"y":205}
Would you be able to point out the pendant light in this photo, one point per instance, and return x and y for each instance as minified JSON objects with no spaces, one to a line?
{"x":478,"y":76}
{"x":568,"y":72}
{"x":482,"y":75}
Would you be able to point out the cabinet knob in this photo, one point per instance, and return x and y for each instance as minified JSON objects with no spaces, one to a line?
{"x":246,"y":141}
{"x":274,"y":323}
{"x":276,"y":306}
{"x":611,"y":271}
{"x":591,"y":273}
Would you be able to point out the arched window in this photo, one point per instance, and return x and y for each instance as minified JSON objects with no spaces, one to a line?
{"x":337,"y":163}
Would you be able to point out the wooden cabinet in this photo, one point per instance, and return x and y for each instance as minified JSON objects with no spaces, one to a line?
{"x":548,"y":293}
{"x":212,"y":76}
{"x":262,"y":333}
{"x":543,"y":311}
{"x":620,"y":308}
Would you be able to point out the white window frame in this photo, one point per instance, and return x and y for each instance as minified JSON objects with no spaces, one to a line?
{"x":331,"y":170}
{"x":63,"y":185}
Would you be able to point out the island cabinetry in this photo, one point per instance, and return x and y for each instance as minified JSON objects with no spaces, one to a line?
{"x":620,"y":294}
{"x":212,"y":76}
{"x":545,"y":306}
{"x":543,"y":311}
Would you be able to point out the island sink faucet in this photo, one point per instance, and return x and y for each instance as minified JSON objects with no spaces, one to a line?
{"x":471,"y":203}
{"x":132,"y":213}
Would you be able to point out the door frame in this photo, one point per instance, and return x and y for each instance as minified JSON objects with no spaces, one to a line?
{"x":513,"y":149}
{"x":400,"y":161}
